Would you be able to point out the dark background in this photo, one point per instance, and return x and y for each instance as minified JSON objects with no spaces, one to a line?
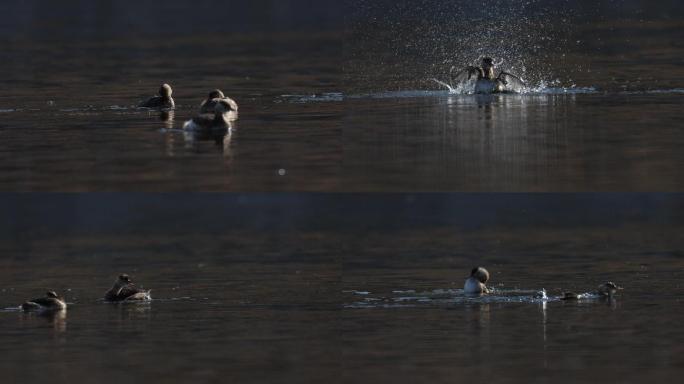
{"x":74,"y":19}
{"x":60,"y":214}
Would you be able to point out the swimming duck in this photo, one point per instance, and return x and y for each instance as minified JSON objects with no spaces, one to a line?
{"x":162,"y":101}
{"x":209,"y":104}
{"x":475,"y":284}
{"x":608,"y":289}
{"x":485,"y":79}
{"x":605,"y":290}
{"x":51,"y":302}
{"x":220,"y":120}
{"x":570,"y":296}
{"x":124,"y":290}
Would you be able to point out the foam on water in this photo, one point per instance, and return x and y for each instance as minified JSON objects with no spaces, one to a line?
{"x":540,"y":89}
{"x":402,"y":298}
{"x":313,"y":98}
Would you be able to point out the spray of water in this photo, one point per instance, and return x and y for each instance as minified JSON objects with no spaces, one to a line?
{"x":404,"y":44}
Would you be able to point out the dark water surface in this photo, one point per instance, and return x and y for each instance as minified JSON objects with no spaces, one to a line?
{"x":75,"y":127}
{"x":293,"y":288}
{"x":330,"y":108}
{"x":544,"y":142}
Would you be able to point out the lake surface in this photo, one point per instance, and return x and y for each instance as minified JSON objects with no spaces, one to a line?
{"x":343,"y":288}
{"x":326,"y":107}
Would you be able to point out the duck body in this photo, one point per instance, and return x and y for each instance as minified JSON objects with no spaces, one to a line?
{"x":215,"y":96}
{"x":161,"y":101}
{"x":605,"y":291}
{"x":207,"y":122}
{"x":473,"y":286}
{"x":570,"y":296}
{"x":51,"y":302}
{"x":608,"y":289}
{"x":484,"y":80}
{"x":124,"y":290}
{"x":221,"y":119}
{"x":475,"y":283}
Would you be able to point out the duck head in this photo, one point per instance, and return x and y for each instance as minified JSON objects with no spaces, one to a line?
{"x":487,"y":62}
{"x":488,"y":67}
{"x":165,"y":90}
{"x":222,"y":106}
{"x":124,"y":279}
{"x":608,"y":289}
{"x":216,"y":94}
{"x":481,"y":274}
{"x":52,"y":295}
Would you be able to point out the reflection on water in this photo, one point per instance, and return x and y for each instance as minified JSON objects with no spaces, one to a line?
{"x":56,"y":319}
{"x":264,"y":288}
{"x":167,"y":118}
{"x":544,"y":142}
{"x":81,"y":105}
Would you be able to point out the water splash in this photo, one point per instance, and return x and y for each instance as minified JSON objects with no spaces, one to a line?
{"x":397,"y":44}
{"x":440,"y":297}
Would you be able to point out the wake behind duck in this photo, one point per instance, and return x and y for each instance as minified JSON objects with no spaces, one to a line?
{"x":482,"y":80}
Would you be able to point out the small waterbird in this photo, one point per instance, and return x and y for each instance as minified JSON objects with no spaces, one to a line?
{"x":51,"y":302}
{"x":608,"y":289}
{"x":475,"y":283}
{"x":208,"y":105}
{"x":485,"y":79}
{"x":124,"y":290}
{"x":161,"y":101}
{"x":605,"y":290}
{"x":221,"y":119}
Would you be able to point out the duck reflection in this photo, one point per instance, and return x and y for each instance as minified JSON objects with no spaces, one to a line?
{"x":221,"y":137}
{"x":56,"y":318}
{"x":167,"y":118}
{"x":132,"y":313}
{"x":478,"y":320}
{"x":194,"y":140}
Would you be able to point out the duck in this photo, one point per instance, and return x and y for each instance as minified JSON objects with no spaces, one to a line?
{"x":51,"y":302}
{"x":124,"y":290}
{"x":605,"y":290}
{"x":161,"y":101}
{"x":475,"y":283}
{"x":608,"y":289}
{"x":213,"y":98}
{"x":221,"y":119}
{"x":570,"y":296}
{"x":486,"y":80}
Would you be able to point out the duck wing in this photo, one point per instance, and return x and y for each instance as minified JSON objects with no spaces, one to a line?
{"x":511,"y":82}
{"x":129,"y":290}
{"x":153,"y":102}
{"x":43,"y":301}
{"x":464,"y":76}
{"x":208,"y":106}
{"x":233,"y":104}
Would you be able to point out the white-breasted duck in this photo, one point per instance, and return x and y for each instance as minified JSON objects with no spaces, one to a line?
{"x":475,"y":283}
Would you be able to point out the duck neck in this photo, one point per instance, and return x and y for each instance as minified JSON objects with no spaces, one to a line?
{"x":489,"y":73}
{"x":220,"y":118}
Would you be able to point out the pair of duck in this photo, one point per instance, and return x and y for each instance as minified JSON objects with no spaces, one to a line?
{"x":475,"y":285}
{"x":122,"y":290}
{"x":216,"y":111}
